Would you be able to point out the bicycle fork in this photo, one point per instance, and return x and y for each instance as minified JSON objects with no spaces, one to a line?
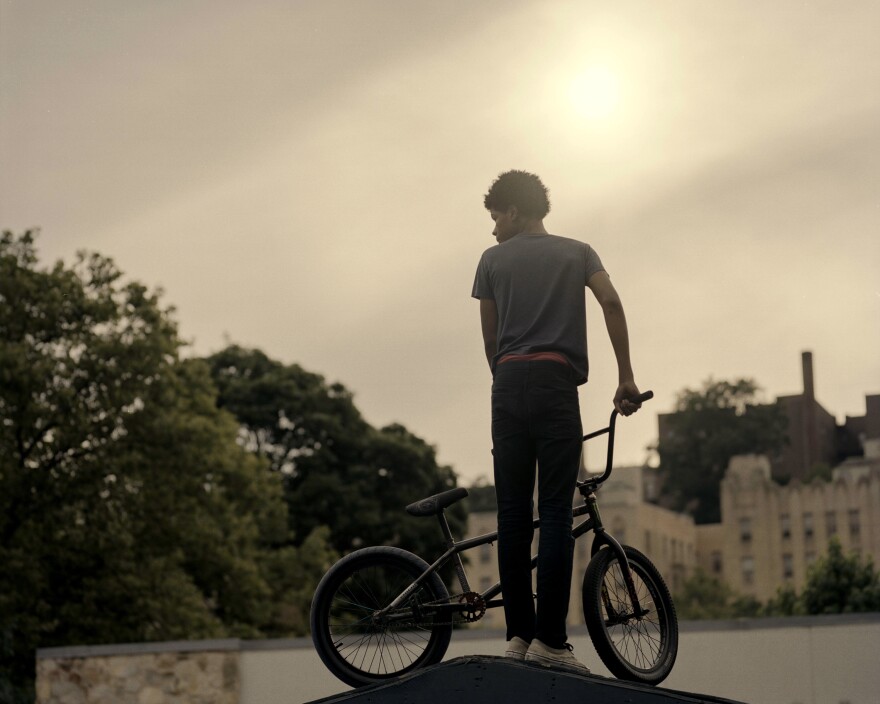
{"x":602,"y":536}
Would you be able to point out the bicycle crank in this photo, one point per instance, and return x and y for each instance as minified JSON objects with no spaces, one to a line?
{"x":475,"y":606}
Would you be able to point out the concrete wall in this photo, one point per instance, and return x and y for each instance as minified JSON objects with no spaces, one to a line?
{"x":808,"y":660}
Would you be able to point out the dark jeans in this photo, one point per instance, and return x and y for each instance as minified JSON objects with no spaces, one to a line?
{"x":535,"y":418}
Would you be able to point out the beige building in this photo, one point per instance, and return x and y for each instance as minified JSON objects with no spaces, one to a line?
{"x":667,"y":537}
{"x":770,"y":534}
{"x":481,"y":563}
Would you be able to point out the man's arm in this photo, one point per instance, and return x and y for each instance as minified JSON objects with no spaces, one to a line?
{"x":615,"y":320}
{"x":489,"y":324}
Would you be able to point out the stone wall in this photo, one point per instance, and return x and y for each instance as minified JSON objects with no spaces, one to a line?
{"x":177,"y":675}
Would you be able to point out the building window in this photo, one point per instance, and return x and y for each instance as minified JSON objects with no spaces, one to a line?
{"x":854,"y":527}
{"x":745,"y":529}
{"x":485,"y":553}
{"x":647,"y":541}
{"x":787,"y":566}
{"x":785,"y":526}
{"x":810,"y":557}
{"x":748,"y":570}
{"x":717,"y":564}
{"x":808,"y":526}
{"x":830,"y":523}
{"x":485,"y":583}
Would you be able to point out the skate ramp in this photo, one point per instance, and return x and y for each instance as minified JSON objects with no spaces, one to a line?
{"x":490,"y":680}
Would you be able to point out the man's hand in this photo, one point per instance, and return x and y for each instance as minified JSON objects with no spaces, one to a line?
{"x":625,"y":391}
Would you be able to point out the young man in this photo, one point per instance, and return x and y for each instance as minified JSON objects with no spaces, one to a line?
{"x":531,"y":288}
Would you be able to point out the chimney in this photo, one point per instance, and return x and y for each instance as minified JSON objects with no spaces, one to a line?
{"x":811,"y":438}
{"x":807,"y":364}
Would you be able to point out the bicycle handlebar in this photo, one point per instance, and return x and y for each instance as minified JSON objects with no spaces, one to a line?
{"x":641,"y":398}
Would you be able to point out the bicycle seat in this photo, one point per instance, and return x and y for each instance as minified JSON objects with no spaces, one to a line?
{"x":436,"y":503}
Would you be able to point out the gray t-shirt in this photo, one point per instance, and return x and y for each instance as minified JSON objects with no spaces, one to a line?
{"x":537,"y":283}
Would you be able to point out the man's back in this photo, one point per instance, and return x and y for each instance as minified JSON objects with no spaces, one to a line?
{"x":537,"y":282}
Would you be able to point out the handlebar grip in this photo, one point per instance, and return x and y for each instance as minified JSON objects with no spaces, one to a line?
{"x":641,"y":398}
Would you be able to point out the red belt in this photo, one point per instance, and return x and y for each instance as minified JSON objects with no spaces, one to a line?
{"x":534,"y":357}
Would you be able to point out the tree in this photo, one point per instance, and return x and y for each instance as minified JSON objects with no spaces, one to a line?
{"x":293,"y":573}
{"x":838,"y":583}
{"x":481,"y":497}
{"x":705,"y":597}
{"x":127,"y":509}
{"x":709,"y":427}
{"x":785,"y":603}
{"x":337,"y":470}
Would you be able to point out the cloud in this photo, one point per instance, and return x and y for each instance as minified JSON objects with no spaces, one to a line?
{"x":307,"y":177}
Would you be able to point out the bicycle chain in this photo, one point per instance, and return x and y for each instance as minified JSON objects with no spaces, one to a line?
{"x":473,"y":611}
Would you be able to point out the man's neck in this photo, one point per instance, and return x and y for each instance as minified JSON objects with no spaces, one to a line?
{"x":533,"y":227}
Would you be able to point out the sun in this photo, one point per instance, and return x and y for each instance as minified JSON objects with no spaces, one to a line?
{"x":594,"y":93}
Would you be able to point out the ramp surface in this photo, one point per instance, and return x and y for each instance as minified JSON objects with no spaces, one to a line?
{"x":489,"y":680}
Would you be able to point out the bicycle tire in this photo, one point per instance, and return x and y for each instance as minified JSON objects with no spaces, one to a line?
{"x":636,"y":649}
{"x":353,"y":647}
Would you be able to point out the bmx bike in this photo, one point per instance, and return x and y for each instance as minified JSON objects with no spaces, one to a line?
{"x":382,"y":611}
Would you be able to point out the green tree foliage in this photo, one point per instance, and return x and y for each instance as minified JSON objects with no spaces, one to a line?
{"x":128,"y":511}
{"x":839,"y":583}
{"x":705,"y":597}
{"x":709,"y":426}
{"x":785,"y":603}
{"x":337,"y":469}
{"x":836,"y":583}
{"x":293,"y":573}
{"x":481,"y":498}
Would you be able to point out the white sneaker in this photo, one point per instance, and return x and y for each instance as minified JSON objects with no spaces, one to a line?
{"x":516,"y":648}
{"x":561,"y":658}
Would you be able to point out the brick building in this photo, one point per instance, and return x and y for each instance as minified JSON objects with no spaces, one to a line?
{"x":814,"y":438}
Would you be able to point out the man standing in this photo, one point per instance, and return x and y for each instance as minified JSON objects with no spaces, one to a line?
{"x":533,"y":315}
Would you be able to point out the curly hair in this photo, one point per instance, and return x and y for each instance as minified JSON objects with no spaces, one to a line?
{"x":521,"y":189}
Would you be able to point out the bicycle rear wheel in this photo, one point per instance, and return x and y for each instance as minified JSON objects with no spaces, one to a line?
{"x":361,"y":648}
{"x":640,"y":644}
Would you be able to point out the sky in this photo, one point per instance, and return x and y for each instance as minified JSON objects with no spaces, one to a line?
{"x":307,"y":178}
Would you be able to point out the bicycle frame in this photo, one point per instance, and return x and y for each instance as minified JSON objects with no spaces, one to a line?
{"x":587,"y":489}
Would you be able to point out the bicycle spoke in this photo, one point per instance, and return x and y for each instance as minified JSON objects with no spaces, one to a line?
{"x":638,"y":640}
{"x":368,"y":645}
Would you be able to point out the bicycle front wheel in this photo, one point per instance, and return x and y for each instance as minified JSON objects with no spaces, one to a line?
{"x":356,"y":642}
{"x":637,"y":642}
